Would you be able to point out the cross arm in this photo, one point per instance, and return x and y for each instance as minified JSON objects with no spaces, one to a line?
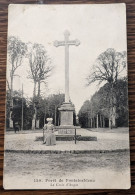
{"x":63,"y":43}
{"x":75,"y":42}
{"x":59,"y":43}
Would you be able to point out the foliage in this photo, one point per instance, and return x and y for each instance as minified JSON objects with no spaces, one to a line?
{"x":108,"y":68}
{"x":16,"y":51}
{"x":100,"y":104}
{"x":40,"y":68}
{"x":16,"y":115}
{"x":47,"y":107}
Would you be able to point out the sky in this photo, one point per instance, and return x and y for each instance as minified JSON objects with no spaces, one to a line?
{"x":97,"y":27}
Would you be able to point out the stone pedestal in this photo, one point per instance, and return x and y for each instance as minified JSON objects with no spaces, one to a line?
{"x":66,"y":119}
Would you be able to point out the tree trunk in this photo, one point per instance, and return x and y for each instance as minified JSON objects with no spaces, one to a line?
{"x":38,"y":88}
{"x":10,"y":120}
{"x":45,"y":116}
{"x":11,"y":92}
{"x":34,"y":118}
{"x":103,"y":122}
{"x":35,"y":114}
{"x":112,"y":123}
{"x":34,"y":91}
{"x":37,"y":123}
{"x":55,"y":114}
{"x":114,"y":117}
{"x":100,"y":121}
{"x":88,"y":122}
{"x":97,"y":121}
{"x":11,"y":103}
{"x":91,"y":123}
{"x":58,"y":120}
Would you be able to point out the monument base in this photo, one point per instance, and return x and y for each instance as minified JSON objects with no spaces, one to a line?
{"x":78,"y":138}
{"x":66,"y":119}
{"x":66,"y":114}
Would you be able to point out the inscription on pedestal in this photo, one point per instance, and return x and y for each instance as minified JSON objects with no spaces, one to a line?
{"x":66,"y":131}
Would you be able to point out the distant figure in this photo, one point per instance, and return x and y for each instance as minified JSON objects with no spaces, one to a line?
{"x":16,"y":127}
{"x":49,"y":137}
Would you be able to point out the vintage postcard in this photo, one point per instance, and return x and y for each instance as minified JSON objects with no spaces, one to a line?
{"x":67,"y":98}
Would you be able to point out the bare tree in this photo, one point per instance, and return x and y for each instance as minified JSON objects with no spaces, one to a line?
{"x":40,"y":67}
{"x":16,"y":52}
{"x":44,"y":69}
{"x":108,"y":68}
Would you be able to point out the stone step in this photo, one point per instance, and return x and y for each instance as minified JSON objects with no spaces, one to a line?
{"x":71,"y":138}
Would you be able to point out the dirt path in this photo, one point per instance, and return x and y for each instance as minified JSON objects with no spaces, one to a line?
{"x":32,"y":170}
{"x":105,"y":141}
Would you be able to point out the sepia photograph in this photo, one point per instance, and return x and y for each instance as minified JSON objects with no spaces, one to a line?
{"x":67,"y":97}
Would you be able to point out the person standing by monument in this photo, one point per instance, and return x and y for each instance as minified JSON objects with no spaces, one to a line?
{"x":49,"y":137}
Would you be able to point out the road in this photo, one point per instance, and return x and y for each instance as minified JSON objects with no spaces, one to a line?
{"x":31,"y":170}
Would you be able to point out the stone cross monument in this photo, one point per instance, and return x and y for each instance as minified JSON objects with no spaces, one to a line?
{"x":66,"y":109}
{"x":66,"y":43}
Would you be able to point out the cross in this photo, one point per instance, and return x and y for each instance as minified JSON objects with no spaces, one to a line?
{"x":66,"y":43}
